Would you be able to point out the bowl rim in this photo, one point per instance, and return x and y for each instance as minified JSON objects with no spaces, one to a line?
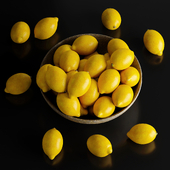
{"x":79,"y":119}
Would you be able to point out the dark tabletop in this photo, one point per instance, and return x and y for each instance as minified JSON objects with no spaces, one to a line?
{"x":25,"y":118}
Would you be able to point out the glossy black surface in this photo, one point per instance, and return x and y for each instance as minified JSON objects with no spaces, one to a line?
{"x":25,"y":118}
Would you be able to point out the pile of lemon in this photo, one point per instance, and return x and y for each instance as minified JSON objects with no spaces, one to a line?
{"x":20,"y":32}
{"x":99,"y":145}
{"x":95,"y":84}
{"x":44,"y":29}
{"x":98,"y":81}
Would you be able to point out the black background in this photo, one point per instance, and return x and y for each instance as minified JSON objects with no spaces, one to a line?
{"x":25,"y":118}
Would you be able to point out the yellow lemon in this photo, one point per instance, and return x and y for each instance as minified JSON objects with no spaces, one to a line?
{"x":108,"y":81}
{"x":52,"y":143}
{"x":20,"y":32}
{"x":95,"y":65}
{"x":56,"y":78}
{"x":82,"y":64}
{"x":45,"y":28}
{"x":18,"y":83}
{"x":70,"y":74}
{"x":67,"y":105}
{"x":91,"y":95}
{"x":103,"y":107}
{"x":69,"y":61}
{"x":79,"y":84}
{"x":142,"y":133}
{"x":85,"y":44}
{"x":114,"y":44}
{"x":88,"y":56}
{"x":154,"y":42}
{"x":58,"y":52}
{"x":40,"y":78}
{"x":122,"y":58}
{"x":99,"y":145}
{"x":111,"y":18}
{"x":108,"y":64}
{"x":83,"y":111}
{"x":107,"y":56}
{"x":130,"y":76}
{"x":122,"y":96}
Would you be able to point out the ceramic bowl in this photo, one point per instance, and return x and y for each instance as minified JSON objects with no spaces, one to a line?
{"x":50,"y":98}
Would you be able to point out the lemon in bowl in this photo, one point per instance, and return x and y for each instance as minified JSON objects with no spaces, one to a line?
{"x":94,"y":65}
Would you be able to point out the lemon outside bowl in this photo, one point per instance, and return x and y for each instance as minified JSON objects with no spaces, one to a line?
{"x":50,"y":98}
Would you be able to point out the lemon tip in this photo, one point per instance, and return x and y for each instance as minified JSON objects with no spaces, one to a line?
{"x":20,"y":39}
{"x":57,"y":19}
{"x":51,"y":157}
{"x":5,"y":90}
{"x":110,"y":150}
{"x":160,"y":53}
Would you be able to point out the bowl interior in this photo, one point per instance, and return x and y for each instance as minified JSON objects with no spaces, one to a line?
{"x":102,"y":49}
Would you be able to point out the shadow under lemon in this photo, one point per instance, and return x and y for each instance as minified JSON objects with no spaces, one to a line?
{"x":142,"y":149}
{"x":48,"y":43}
{"x":57,"y":160}
{"x":151,"y":58}
{"x":113,"y":33}
{"x":102,"y":163}
{"x":22,"y":51}
{"x":21,"y":99}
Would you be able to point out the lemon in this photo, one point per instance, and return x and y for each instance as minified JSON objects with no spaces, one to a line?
{"x":88,"y":56}
{"x":108,"y":81}
{"x":130,"y":76}
{"x":83,"y":111}
{"x":103,"y":107}
{"x":85,"y":44}
{"x":108,"y":65}
{"x":79,"y":84}
{"x":52,"y":143}
{"x":107,"y":56}
{"x":82,"y":64}
{"x":70,"y":74}
{"x":95,"y":65}
{"x":69,"y":61}
{"x":142,"y":133}
{"x":20,"y":32}
{"x":45,"y":28}
{"x":59,"y":51}
{"x":91,"y":95}
{"x":122,"y":58}
{"x":154,"y":42}
{"x":67,"y":105}
{"x":111,"y":18}
{"x":18,"y":83}
{"x":122,"y":96}
{"x":99,"y":145}
{"x":114,"y":44}
{"x":40,"y":78}
{"x":56,"y":78}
